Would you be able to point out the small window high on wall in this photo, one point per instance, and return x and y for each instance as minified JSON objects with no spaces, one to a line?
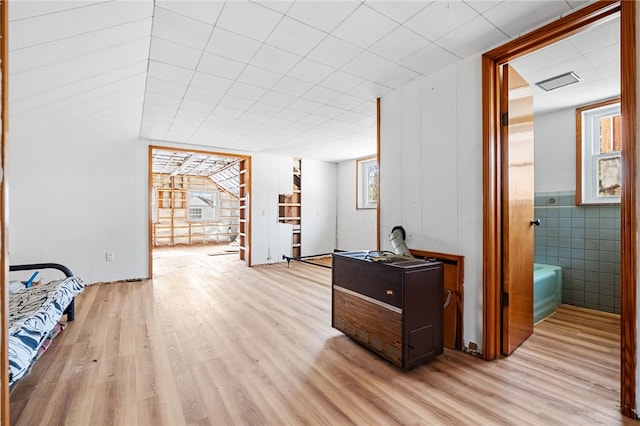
{"x":203,"y":206}
{"x":598,"y":141}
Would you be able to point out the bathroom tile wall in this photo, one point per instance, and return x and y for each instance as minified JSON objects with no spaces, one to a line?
{"x":585,"y":241}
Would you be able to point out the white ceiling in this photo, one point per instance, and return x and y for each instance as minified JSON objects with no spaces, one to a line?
{"x":295,"y":78}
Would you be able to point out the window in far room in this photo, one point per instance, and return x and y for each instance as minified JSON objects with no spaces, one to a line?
{"x":203,"y":206}
{"x":598,"y":141}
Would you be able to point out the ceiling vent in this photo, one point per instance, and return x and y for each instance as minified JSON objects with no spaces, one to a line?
{"x":559,"y":81}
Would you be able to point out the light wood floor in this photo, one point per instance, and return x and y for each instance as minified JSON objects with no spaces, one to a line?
{"x":208,"y":341}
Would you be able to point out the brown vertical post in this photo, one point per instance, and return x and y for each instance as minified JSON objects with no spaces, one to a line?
{"x":378,"y":162}
{"x":628,"y":225}
{"x":4,"y":266}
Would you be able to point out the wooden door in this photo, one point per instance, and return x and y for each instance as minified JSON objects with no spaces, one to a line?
{"x":518,"y":210}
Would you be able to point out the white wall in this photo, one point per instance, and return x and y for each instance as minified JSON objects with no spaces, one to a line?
{"x":79,"y":193}
{"x":75,"y":195}
{"x":555,"y":151}
{"x":431,"y":172}
{"x":356,"y":229}
{"x":319,"y":207}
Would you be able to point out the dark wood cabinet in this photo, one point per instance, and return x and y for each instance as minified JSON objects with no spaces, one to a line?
{"x":394,"y":308}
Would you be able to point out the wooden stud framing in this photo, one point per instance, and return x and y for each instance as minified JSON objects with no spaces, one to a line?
{"x":378,"y":157}
{"x":492,"y":177}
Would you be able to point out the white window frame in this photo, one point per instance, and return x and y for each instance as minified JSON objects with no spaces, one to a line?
{"x":588,"y":150}
{"x":191,"y":195}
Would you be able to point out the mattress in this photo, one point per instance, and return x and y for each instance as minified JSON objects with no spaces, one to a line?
{"x":33,"y":315}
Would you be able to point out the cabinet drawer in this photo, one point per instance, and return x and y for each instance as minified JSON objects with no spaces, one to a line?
{"x":375,"y":281}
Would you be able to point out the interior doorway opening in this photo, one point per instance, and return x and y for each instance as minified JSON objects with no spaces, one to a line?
{"x":199,"y":198}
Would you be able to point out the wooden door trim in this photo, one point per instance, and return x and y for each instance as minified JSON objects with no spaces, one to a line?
{"x":378,"y":163}
{"x":4,"y":226}
{"x":150,"y":193}
{"x":492,"y":178}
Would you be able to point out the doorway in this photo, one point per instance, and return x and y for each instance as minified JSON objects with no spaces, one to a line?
{"x":493,"y":178}
{"x":199,"y":198}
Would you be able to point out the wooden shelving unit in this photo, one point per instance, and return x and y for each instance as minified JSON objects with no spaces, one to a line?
{"x":290,"y":208}
{"x":172,"y":225}
{"x":243,"y":219}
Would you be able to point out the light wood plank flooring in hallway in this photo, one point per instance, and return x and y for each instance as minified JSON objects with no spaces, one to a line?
{"x":208,"y":341}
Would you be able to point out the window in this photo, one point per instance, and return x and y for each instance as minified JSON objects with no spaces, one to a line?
{"x":367,"y":183}
{"x":598,"y":141}
{"x":203,"y":206}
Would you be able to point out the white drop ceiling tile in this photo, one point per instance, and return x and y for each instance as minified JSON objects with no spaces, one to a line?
{"x":354,"y":117}
{"x":368,"y":66}
{"x":61,"y":50}
{"x":477,"y":35}
{"x":603,"y":56}
{"x":211,"y":82}
{"x":246,"y":91}
{"x":346,"y":102}
{"x":366,"y":109}
{"x":295,"y":37}
{"x":396,"y":77}
{"x":281,"y":123}
{"x":314,"y":120}
{"x":482,"y":6}
{"x":220,"y":66}
{"x":334,"y":52}
{"x":165,"y":87}
{"x":264,"y":109}
{"x":440,"y":17}
{"x":197,"y":106}
{"x":310,"y":71}
{"x":248,"y":19}
{"x":292,"y":86}
{"x":80,"y":20}
{"x":429,"y":59}
{"x":235,"y":102}
{"x":515,"y":18}
{"x":321,"y":95}
{"x":252,"y":117}
{"x":153,"y":131}
{"x":20,"y":10}
{"x":199,"y":94}
{"x":189,"y":118}
{"x":231,"y":45}
{"x":277,"y":99}
{"x":610,"y":70}
{"x":174,"y":54}
{"x":398,"y":10}
{"x":369,"y":90}
{"x":290,"y":114}
{"x":280,"y":6}
{"x":398,"y":44}
{"x":226,"y":112}
{"x":305,"y":105}
{"x":328,"y":111}
{"x":180,"y":29}
{"x":598,"y":37}
{"x":259,"y":77}
{"x":364,"y":27}
{"x":69,"y":72}
{"x":576,"y":4}
{"x":206,"y":11}
{"x":324,"y":15}
{"x":341,"y":81}
{"x":179,"y":133}
{"x":169,"y":72}
{"x":19,"y":102}
{"x":159,"y":112}
{"x":161,"y":99}
{"x":274,"y":59}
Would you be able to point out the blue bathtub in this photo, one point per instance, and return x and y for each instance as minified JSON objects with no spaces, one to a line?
{"x":547,"y":290}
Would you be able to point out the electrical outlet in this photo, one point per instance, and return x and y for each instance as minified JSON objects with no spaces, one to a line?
{"x":109,"y":256}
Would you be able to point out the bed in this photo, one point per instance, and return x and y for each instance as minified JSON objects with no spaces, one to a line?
{"x":35,"y":314}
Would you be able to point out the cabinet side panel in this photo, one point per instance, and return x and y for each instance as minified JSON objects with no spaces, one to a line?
{"x":375,"y":327}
